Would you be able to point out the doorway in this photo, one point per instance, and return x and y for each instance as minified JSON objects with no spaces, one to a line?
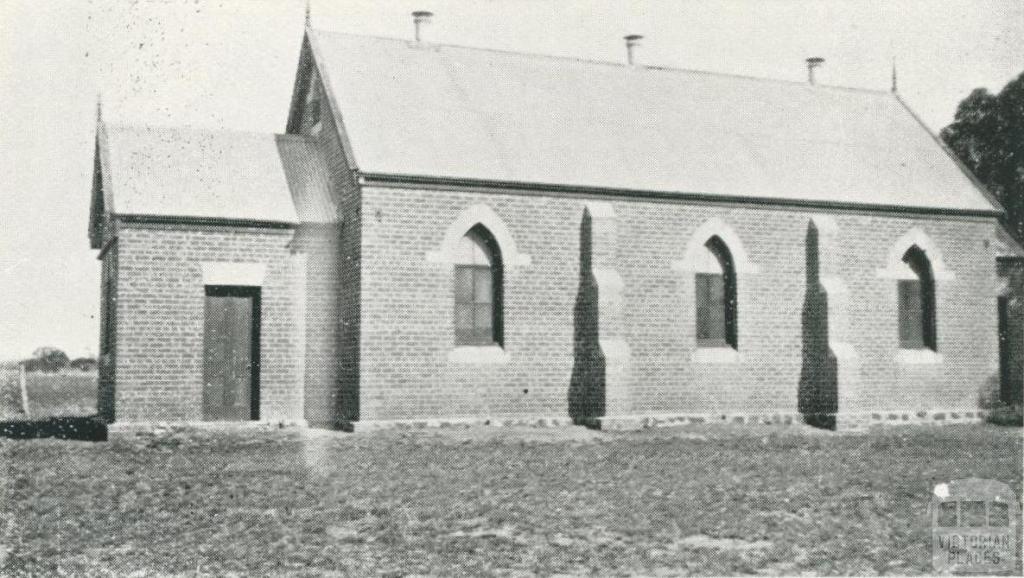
{"x":231,"y":353}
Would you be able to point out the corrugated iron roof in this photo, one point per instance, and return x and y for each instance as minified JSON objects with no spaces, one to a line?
{"x":180,"y":172}
{"x":308,"y":179}
{"x":453,"y":112}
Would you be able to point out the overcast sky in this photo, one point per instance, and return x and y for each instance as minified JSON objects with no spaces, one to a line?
{"x":231,"y":64}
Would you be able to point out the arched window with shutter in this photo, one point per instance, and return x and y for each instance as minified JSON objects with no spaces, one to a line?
{"x":715,"y":286}
{"x":478,"y":289}
{"x":916,"y":302}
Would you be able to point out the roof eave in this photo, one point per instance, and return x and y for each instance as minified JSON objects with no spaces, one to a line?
{"x":209,"y":221}
{"x":410,"y":181}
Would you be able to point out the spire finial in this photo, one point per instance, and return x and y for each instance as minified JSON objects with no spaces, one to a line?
{"x":309,"y":14}
{"x":894,"y":90}
{"x":99,"y":107}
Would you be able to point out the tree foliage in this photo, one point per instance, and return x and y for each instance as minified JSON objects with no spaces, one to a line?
{"x":988,"y":136}
{"x":49,"y":359}
{"x":84,"y":363}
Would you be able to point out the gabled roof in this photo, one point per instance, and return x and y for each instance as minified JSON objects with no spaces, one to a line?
{"x":174,"y":173}
{"x":450,"y":112}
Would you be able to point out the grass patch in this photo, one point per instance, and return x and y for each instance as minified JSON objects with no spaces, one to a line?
{"x":61,"y":394}
{"x":50,"y":395}
{"x":10,"y":394}
{"x":698,"y":500}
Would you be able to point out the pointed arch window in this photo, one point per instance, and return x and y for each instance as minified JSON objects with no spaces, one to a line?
{"x":716,"y":301}
{"x":917,"y":303}
{"x":478,"y":289}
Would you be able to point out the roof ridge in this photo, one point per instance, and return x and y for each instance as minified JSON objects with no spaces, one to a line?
{"x":540,"y":55}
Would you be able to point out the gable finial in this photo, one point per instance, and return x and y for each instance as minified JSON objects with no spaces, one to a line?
{"x":894,"y":75}
{"x":309,"y":14}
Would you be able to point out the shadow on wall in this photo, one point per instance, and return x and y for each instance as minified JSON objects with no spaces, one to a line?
{"x":105,"y":395}
{"x":1011,"y":337}
{"x":348,"y":328}
{"x":818,"y":393}
{"x":587,"y":385}
{"x":89,"y":429}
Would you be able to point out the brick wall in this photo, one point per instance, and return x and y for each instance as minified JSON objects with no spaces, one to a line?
{"x":105,"y":399}
{"x":160,"y":316}
{"x":319,"y":248}
{"x":407,"y":370}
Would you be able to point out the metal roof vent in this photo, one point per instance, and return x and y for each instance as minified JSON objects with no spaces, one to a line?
{"x":632,"y":42}
{"x":420,"y":19}
{"x":812,"y":63}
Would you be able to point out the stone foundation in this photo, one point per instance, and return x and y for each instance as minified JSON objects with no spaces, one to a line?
{"x":131,"y":428}
{"x":850,"y":421}
{"x":376,"y":425}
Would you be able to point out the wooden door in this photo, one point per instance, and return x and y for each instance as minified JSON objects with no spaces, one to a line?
{"x":231,"y":354}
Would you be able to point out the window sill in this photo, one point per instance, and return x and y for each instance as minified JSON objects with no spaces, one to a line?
{"x":918,"y":356}
{"x":478,"y":354}
{"x":715,"y":355}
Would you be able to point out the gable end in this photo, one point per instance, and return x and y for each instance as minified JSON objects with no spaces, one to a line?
{"x":99,"y":206}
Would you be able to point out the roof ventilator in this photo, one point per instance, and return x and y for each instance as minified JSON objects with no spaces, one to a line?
{"x":813,"y":63}
{"x":420,"y":19}
{"x":632,"y":43}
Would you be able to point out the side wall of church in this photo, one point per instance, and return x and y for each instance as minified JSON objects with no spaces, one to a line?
{"x":794,"y":268}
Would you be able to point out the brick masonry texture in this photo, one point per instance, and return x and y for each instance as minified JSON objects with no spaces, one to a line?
{"x":106,"y":405}
{"x":359,"y":327}
{"x":317,"y":249}
{"x":407,"y":333}
{"x":160,"y":313}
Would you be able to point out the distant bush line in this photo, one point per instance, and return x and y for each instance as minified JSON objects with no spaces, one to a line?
{"x":52,"y":360}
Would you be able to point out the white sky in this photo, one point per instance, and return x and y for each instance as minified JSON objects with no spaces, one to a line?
{"x":231,"y":64}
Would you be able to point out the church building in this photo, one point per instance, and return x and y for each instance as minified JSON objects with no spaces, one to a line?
{"x":460,"y":235}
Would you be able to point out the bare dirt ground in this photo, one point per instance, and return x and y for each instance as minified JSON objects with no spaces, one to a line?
{"x":705,"y":500}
